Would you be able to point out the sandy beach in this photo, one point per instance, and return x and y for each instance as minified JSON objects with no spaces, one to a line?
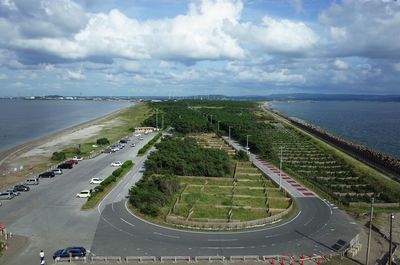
{"x":28,"y":159}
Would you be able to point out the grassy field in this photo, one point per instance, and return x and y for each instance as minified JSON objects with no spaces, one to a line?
{"x":243,"y":195}
{"x":114,"y":127}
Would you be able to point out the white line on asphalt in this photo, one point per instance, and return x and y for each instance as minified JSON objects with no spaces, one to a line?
{"x":219,"y":233}
{"x":123,"y":220}
{"x":113,"y":226}
{"x":225,"y":247}
{"x":273,"y":236}
{"x":309,"y":221}
{"x":156,"y":233}
{"x":222,"y":240}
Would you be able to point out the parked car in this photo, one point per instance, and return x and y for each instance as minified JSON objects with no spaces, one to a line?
{"x":72,"y":162}
{"x":65,"y":166}
{"x":32,"y":181}
{"x":116,"y":164}
{"x":70,"y":251}
{"x":115,"y":149}
{"x":6,"y":195}
{"x":83,"y":194}
{"x":21,"y":187}
{"x":133,"y":144}
{"x":123,"y":141}
{"x":96,"y":181}
{"x":57,"y":171}
{"x":16,"y":193}
{"x":48,"y":174}
{"x":107,"y":151}
{"x":141,"y":138}
{"x":77,"y":158}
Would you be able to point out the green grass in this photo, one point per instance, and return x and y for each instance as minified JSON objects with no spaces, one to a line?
{"x":182,"y":209}
{"x":250,"y":183}
{"x":197,"y":181}
{"x":217,"y":190}
{"x":251,"y":192}
{"x":240,"y":176}
{"x":275,"y":193}
{"x":248,"y":214}
{"x":193,"y":189}
{"x":209,"y":212}
{"x":220,"y":182}
{"x":214,"y":199}
{"x":253,"y":202}
{"x":278,"y":204}
{"x":114,"y":128}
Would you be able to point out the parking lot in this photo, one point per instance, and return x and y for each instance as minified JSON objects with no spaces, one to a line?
{"x":49,"y":214}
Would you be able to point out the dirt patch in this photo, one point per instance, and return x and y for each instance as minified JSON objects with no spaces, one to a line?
{"x":15,"y":245}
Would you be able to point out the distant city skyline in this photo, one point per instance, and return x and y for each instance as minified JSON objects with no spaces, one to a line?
{"x":199,"y":47}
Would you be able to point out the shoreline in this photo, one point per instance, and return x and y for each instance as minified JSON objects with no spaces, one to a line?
{"x":21,"y":149}
{"x":360,"y":152}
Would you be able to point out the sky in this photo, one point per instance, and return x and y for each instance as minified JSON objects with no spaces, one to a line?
{"x":199,"y":47}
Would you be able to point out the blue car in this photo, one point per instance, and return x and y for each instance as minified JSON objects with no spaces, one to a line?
{"x":70,"y":252}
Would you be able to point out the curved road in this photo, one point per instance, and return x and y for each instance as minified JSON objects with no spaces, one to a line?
{"x":318,"y":228}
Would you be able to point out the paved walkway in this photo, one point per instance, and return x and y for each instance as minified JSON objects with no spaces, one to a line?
{"x":279,"y":177}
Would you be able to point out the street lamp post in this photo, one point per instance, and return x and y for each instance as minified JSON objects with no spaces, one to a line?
{"x":211,"y":118}
{"x":280,"y":170}
{"x":390,"y":238}
{"x":218,"y":126}
{"x":230,"y":132}
{"x":370,"y":230}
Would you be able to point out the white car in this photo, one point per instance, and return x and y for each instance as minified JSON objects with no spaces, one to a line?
{"x":57,"y":171}
{"x":77,"y":158}
{"x":133,"y":145}
{"x":116,"y":164}
{"x":96,"y":181}
{"x":114,"y":149}
{"x":83,"y":194}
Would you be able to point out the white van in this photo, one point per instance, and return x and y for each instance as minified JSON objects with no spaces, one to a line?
{"x":32,"y":181}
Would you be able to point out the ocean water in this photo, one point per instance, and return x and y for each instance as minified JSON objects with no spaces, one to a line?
{"x":25,"y":120}
{"x":372,"y":123}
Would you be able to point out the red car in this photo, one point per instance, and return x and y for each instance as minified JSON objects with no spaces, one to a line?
{"x":72,"y":162}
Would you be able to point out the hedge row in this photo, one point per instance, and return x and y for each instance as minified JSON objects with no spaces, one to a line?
{"x":119,"y":172}
{"x":145,"y":148}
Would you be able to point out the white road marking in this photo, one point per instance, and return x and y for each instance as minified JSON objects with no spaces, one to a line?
{"x":123,"y":220}
{"x":273,"y":236}
{"x":222,"y":240}
{"x":225,"y":247}
{"x":156,"y":233}
{"x":308,"y":222}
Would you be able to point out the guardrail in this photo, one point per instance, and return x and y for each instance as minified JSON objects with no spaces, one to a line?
{"x":74,"y":259}
{"x":175,"y":258}
{"x":244,"y":258}
{"x":106,"y":258}
{"x":209,"y":258}
{"x":140,"y":258}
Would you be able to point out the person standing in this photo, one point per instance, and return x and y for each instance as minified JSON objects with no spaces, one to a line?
{"x":41,"y":255}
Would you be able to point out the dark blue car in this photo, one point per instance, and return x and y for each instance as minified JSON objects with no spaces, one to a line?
{"x":70,"y":252}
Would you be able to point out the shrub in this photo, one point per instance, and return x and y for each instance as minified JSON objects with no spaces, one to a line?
{"x":58,"y":156}
{"x":102,"y":141}
{"x":241,"y":156}
{"x":116,"y":173}
{"x":127,"y":163}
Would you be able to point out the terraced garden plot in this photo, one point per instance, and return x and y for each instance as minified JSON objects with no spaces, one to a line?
{"x":242,"y":214}
{"x":211,"y":140}
{"x":249,"y":191}
{"x":208,"y":212}
{"x":245,"y":201}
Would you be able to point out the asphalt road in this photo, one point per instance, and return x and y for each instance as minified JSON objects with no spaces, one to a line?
{"x":50,"y":216}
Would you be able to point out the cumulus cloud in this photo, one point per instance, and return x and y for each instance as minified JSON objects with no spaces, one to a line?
{"x":73,"y":75}
{"x":3,"y":76}
{"x":364,"y":28}
{"x":277,"y":35}
{"x":341,"y":65}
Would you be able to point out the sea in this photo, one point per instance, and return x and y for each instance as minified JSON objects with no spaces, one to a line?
{"x":372,"y":123}
{"x":25,"y":120}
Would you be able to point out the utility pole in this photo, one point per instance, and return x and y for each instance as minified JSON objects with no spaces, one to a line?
{"x":229,"y":132}
{"x":218,"y":126}
{"x":370,"y":230}
{"x":280,"y":170}
{"x":162,"y":121}
{"x":211,"y":118}
{"x":390,"y":238}
{"x":157,"y":119}
{"x":247,"y":144}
